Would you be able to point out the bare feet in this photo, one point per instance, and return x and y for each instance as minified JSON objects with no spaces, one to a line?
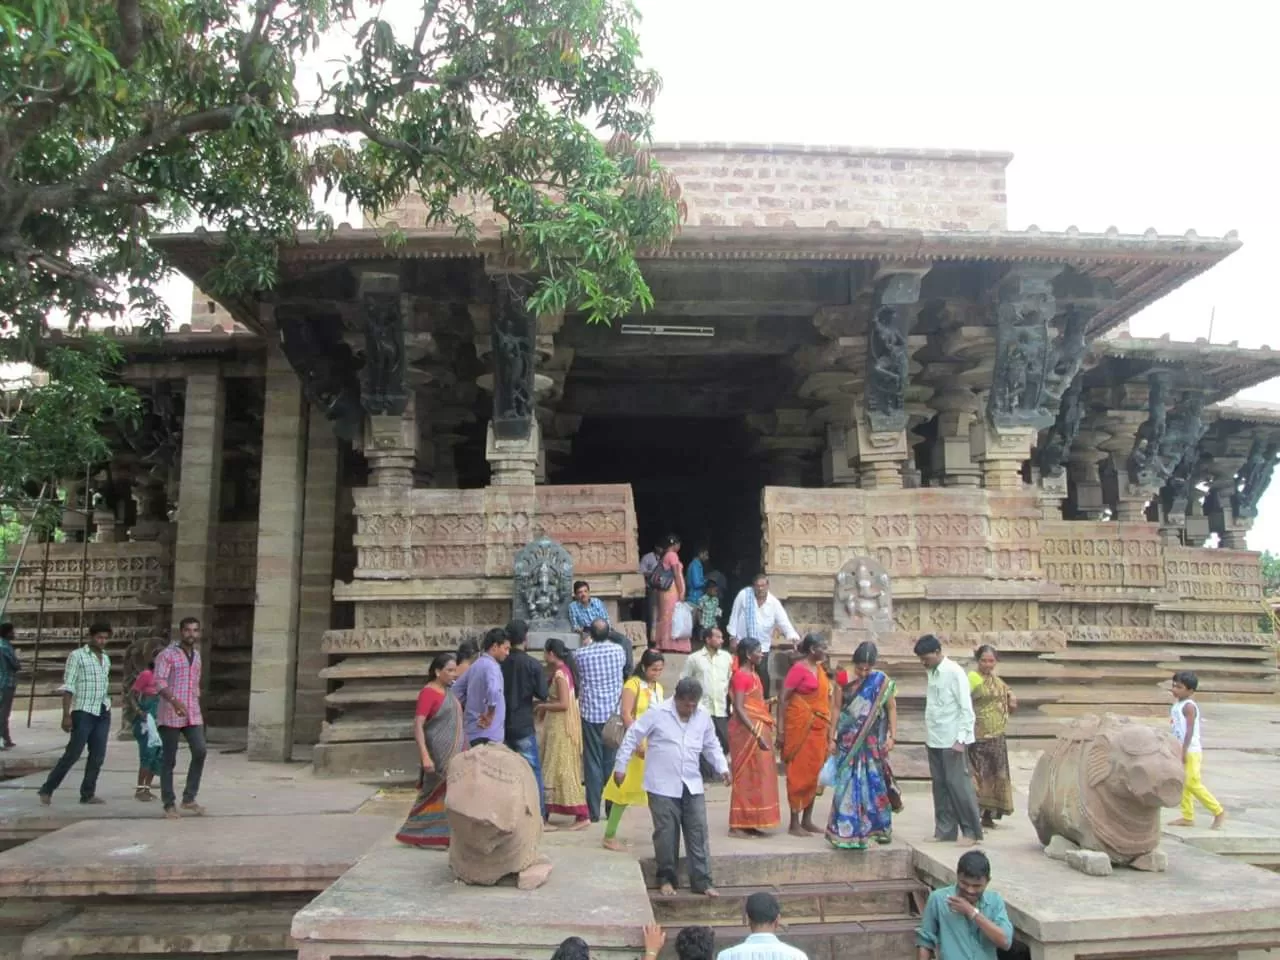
{"x":798,"y":832}
{"x":742,"y":834}
{"x":937,"y":840}
{"x":966,"y":842}
{"x":193,"y":808}
{"x":711,"y":892}
{"x":549,"y":827}
{"x":1182,"y":822}
{"x":171,"y":813}
{"x":667,"y":890}
{"x":580,"y":825}
{"x":45,"y":799}
{"x":95,"y":801}
{"x":812,"y":827}
{"x":615,"y":845}
{"x":1219,"y":820}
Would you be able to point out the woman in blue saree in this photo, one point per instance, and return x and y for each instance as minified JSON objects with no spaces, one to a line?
{"x":864,"y":794}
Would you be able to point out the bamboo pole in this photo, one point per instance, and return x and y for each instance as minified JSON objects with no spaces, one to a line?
{"x":35,"y":655}
{"x":22,"y":549}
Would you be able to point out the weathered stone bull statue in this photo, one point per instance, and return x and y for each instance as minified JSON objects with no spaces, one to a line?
{"x":1097,"y":794}
{"x":495,"y":820}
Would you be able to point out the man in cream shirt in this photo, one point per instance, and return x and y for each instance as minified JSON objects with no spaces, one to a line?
{"x":712,"y":666}
{"x":948,"y":722}
{"x":756,"y":614}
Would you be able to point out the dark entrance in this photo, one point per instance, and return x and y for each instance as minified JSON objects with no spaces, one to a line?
{"x":691,"y":476}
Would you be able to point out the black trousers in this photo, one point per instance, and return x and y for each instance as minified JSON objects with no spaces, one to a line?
{"x":721,"y":725}
{"x":673,"y":816}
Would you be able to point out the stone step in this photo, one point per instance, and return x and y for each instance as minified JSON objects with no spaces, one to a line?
{"x":168,"y":929}
{"x":786,"y":869}
{"x":853,"y":940}
{"x":801,"y":903}
{"x":1143,"y":652}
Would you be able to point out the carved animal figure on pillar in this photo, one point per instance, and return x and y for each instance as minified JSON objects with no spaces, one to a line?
{"x":1053,"y":453}
{"x":543,"y":585}
{"x":1100,"y":788}
{"x":1254,"y":478}
{"x":495,"y":819}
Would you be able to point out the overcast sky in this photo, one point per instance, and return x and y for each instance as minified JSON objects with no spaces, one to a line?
{"x":1126,"y":113}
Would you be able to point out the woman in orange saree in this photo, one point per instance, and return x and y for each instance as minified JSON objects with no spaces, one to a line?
{"x":807,"y":732}
{"x":753,"y":804}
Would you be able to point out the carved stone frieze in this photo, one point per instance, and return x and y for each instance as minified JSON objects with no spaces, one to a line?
{"x":397,"y":640}
{"x":1092,"y":554}
{"x":1218,"y":576}
{"x":462,"y":533}
{"x":916,"y":533}
{"x":117,"y":576}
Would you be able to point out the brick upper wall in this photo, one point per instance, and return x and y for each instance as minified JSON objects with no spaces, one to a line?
{"x":745,"y":185}
{"x":778,"y":186}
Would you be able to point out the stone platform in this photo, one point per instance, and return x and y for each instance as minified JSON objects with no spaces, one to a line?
{"x":114,"y":888}
{"x":1204,"y":905}
{"x":397,"y":900}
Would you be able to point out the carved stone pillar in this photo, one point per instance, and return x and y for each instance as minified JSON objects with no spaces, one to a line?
{"x":75,"y":510}
{"x":391,"y":446}
{"x":315,"y":590}
{"x":1001,"y":453}
{"x":195,"y":549}
{"x":390,"y":430}
{"x":952,"y":458}
{"x":150,"y":507}
{"x":1051,"y":493}
{"x":836,"y":468}
{"x":881,"y":455}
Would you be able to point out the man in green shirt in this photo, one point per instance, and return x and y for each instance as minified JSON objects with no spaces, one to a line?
{"x":86,"y":715}
{"x":965,"y":921}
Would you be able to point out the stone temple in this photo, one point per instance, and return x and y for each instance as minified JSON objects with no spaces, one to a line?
{"x":850,"y":355}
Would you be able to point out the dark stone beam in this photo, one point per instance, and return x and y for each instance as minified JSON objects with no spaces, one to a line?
{"x":763,"y":336}
{"x":735,"y":308}
{"x":632,"y":400}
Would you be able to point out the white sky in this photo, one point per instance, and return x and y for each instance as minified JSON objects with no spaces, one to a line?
{"x":1130,"y":113}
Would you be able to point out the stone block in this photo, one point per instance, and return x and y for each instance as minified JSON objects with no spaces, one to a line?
{"x":1058,"y":848}
{"x":1093,"y":863}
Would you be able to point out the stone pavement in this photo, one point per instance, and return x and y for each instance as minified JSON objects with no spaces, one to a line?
{"x":231,"y":787}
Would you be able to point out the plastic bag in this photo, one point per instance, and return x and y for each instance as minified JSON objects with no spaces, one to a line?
{"x":153,"y":735}
{"x":682,"y":621}
{"x":827,"y":776}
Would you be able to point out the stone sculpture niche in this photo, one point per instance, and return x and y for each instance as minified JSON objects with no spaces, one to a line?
{"x":541,"y":592}
{"x":862,"y":606}
{"x":1097,"y":794}
{"x":495,"y":820}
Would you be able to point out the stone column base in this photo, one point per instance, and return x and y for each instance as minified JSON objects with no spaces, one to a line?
{"x":1001,"y":453}
{"x":513,"y":463}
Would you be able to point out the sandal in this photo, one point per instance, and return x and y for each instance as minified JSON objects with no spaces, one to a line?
{"x":143,"y":793}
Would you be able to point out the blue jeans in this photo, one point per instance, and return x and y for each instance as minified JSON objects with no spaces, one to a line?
{"x":597,"y":765}
{"x":527,"y":747}
{"x":86,"y":730}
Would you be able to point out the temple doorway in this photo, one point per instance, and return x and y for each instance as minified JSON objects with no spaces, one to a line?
{"x":692,"y":476}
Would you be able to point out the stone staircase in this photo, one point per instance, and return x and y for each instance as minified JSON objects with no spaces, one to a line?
{"x":835,"y":905}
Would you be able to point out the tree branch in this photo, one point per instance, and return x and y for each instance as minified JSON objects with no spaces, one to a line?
{"x":131,"y":29}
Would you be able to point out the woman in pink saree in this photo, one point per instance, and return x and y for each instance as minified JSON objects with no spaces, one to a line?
{"x":668,"y":581}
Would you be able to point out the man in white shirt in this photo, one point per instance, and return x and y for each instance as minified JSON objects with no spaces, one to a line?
{"x":712,"y":667}
{"x":676,"y":733}
{"x":763,"y":915}
{"x":756,"y":614}
{"x":948,"y":722}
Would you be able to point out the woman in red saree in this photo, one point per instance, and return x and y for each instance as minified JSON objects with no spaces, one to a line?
{"x":753,"y":804}
{"x":437,"y":729}
{"x":807,"y":732}
{"x":671,"y":571}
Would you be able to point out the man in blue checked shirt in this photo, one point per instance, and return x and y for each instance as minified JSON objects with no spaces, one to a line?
{"x":600,"y":663}
{"x":584,"y":608}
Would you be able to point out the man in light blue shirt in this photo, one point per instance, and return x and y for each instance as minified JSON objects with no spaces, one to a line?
{"x":676,"y":733}
{"x":483,"y":694}
{"x":948,"y":723}
{"x":763,"y":915}
{"x":965,"y":921}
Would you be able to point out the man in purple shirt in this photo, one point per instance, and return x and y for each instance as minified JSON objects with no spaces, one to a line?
{"x":481,"y":692}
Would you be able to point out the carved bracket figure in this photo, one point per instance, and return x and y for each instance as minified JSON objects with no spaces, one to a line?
{"x":514,"y":337}
{"x":1051,"y":458}
{"x":385,"y":393}
{"x":888,"y":364}
{"x":1035,"y":360}
{"x":1168,"y":436}
{"x":1254,"y":478}
{"x":1142,"y":458}
{"x":543,"y":585}
{"x":326,"y":367}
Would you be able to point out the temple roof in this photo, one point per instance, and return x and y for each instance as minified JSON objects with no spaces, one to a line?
{"x":1223,"y":368}
{"x":1142,"y":268}
{"x":1246,"y":411}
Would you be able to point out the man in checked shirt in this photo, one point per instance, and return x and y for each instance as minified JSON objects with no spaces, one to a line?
{"x":178,"y":669}
{"x":86,"y":715}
